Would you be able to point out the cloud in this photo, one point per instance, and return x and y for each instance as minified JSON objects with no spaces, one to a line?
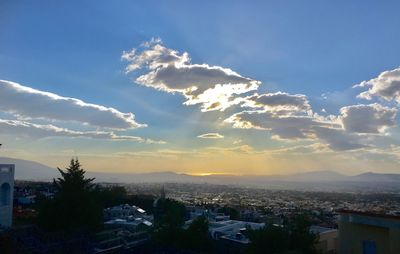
{"x":278,"y":101}
{"x":27,"y":103}
{"x":237,"y":141}
{"x":372,"y":118}
{"x":356,"y":127}
{"x":385,"y":86}
{"x":339,"y":139}
{"x":281,"y":126}
{"x":211,"y":136}
{"x":213,"y":87}
{"x":38,"y":131}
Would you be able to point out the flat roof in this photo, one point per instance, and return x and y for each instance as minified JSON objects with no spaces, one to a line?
{"x":318,"y":229}
{"x":370,"y":214}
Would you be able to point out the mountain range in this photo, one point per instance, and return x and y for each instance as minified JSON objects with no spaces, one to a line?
{"x":30,"y":170}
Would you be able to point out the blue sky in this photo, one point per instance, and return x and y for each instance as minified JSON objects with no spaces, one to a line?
{"x":319,"y":49}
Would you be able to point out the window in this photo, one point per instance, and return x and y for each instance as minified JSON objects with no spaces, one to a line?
{"x":5,"y":169}
{"x":369,"y":247}
{"x":5,"y":194}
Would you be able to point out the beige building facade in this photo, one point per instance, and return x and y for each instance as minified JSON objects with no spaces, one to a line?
{"x":367,"y":233}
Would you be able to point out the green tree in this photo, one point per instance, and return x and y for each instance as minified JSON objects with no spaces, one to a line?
{"x":196,"y":237}
{"x":300,"y":236}
{"x":111,"y":196}
{"x":293,"y":237}
{"x":269,"y":240}
{"x":169,"y":217}
{"x":232,"y":212}
{"x":75,"y":206}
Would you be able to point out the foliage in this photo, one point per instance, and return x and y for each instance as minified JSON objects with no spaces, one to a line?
{"x":169,"y":217}
{"x":110,"y":196}
{"x":75,"y":206}
{"x":169,"y":220}
{"x":294,"y":237}
{"x":232,"y":212}
{"x":169,"y":213}
{"x":143,"y":201}
{"x":196,"y":237}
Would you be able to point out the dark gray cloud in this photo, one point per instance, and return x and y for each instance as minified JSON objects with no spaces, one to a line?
{"x":278,"y":101}
{"x":356,"y":127}
{"x":281,"y":126}
{"x":372,"y":118}
{"x":339,"y":139}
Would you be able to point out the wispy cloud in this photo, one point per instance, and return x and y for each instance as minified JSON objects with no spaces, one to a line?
{"x":38,"y":131}
{"x":212,"y":135}
{"x":26,"y":102}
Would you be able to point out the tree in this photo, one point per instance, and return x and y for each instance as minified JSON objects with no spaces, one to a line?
{"x":111,"y":196}
{"x":169,"y":217}
{"x":300,"y":235}
{"x":269,"y":240}
{"x":293,"y":237}
{"x":232,"y":212}
{"x":74,"y":206}
{"x":196,"y":237}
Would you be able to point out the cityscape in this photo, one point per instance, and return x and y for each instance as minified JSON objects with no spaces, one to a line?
{"x":199,"y":127}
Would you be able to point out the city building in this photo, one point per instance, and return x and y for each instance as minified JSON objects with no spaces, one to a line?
{"x":231,"y":235}
{"x":123,"y":212}
{"x":368,"y":233}
{"x":327,"y":239}
{"x":6,"y":194}
{"x":232,"y":230}
{"x":126,"y":228}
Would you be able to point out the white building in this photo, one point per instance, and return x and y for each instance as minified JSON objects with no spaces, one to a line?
{"x":232,"y":230}
{"x":123,"y":212}
{"x":327,"y":239}
{"x":6,"y":194}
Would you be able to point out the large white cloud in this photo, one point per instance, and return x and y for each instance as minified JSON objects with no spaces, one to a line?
{"x":37,"y":131}
{"x":372,"y":118}
{"x":28,"y":103}
{"x":213,"y":87}
{"x":386,"y":86}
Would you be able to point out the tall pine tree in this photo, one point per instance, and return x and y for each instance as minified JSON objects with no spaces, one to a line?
{"x":75,"y":206}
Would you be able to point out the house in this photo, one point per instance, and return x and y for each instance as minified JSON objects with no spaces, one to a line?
{"x":327,"y":239}
{"x":368,"y":233}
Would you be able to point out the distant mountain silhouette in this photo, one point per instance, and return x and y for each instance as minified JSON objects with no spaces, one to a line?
{"x":30,"y":170}
{"x":318,"y":176}
{"x":376,"y":177}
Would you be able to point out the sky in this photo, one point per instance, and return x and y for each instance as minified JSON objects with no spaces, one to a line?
{"x":200,"y":87}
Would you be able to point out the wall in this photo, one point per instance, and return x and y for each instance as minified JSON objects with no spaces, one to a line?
{"x":6,"y":194}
